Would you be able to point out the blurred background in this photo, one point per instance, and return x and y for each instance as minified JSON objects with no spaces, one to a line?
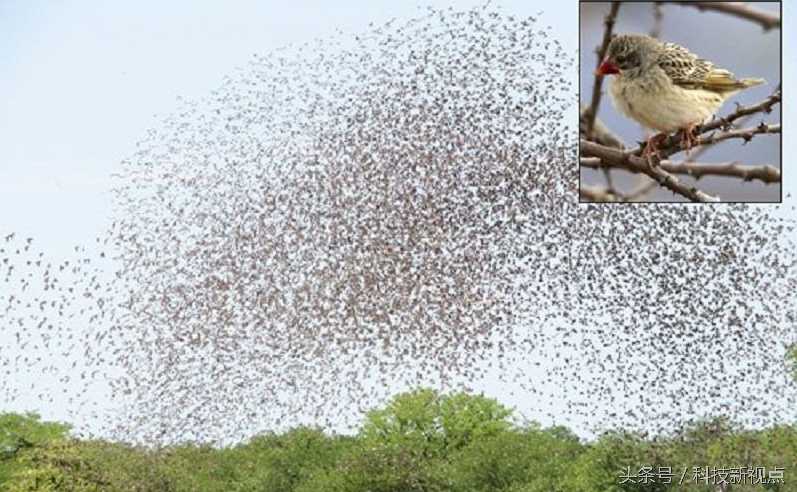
{"x":738,"y":45}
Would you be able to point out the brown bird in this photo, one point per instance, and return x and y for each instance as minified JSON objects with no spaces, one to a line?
{"x":665,"y":87}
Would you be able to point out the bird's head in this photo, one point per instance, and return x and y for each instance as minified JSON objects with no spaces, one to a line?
{"x":625,"y":52}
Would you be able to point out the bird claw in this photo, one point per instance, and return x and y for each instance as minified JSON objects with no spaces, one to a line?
{"x":652,"y":149}
{"x":688,"y":138}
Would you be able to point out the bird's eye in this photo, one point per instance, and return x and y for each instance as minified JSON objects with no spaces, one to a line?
{"x":622,"y":59}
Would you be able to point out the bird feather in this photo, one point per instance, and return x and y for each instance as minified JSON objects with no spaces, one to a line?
{"x":686,"y":70}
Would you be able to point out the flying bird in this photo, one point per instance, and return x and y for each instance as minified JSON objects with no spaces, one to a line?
{"x":665,"y":87}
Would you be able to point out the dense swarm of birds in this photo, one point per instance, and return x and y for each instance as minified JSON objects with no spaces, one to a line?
{"x":349,"y":218}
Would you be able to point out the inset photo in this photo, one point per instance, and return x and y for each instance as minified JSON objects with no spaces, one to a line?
{"x":680,"y":102}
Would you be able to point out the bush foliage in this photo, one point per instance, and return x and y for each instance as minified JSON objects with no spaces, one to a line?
{"x":420,"y":441}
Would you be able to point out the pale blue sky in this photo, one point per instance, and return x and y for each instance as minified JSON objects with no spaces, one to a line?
{"x":82,"y":81}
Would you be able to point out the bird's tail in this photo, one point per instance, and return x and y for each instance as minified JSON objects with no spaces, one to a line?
{"x":747,"y":83}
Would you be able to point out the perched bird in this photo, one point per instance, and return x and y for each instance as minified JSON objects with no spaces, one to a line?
{"x":664,"y":86}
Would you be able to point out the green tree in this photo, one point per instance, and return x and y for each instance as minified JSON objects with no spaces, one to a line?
{"x":433,"y":424}
{"x":605,"y":460}
{"x":406,"y":445}
{"x":528,"y":459}
{"x":21,"y":432}
{"x":280,"y":463}
{"x":420,"y":441}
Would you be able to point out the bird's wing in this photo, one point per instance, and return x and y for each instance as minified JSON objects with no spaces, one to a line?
{"x":685,"y":69}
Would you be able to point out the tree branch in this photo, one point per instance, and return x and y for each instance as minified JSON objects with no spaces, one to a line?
{"x":746,"y":134}
{"x":695,"y":156}
{"x":765,"y":173}
{"x":764,"y":106}
{"x":658,"y":17}
{"x":626,"y":160}
{"x":641,"y":191}
{"x":596,"y":88}
{"x":737,"y":9}
{"x":596,"y":194}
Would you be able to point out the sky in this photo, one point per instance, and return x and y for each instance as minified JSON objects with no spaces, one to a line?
{"x":83,"y":81}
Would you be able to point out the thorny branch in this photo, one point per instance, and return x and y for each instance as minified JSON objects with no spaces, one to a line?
{"x":618,"y":158}
{"x":608,"y":194}
{"x":746,"y":134}
{"x":764,"y":173}
{"x":662,"y":171}
{"x":764,"y":106}
{"x":738,"y":9}
{"x":592,"y":111}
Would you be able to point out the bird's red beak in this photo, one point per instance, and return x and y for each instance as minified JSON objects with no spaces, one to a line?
{"x":607,"y":68}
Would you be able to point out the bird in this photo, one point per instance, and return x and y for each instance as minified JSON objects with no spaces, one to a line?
{"x":665,"y":87}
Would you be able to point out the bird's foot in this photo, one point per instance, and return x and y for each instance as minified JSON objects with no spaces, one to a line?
{"x":688,"y":138}
{"x":652,"y":148}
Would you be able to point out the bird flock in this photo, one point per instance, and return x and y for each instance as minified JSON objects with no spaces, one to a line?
{"x":363,"y":214}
